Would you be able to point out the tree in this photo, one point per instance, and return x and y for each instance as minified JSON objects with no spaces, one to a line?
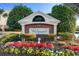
{"x":66,"y":16}
{"x":17,"y":13}
{"x":74,"y":6}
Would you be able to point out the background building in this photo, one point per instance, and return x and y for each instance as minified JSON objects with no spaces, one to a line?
{"x":3,"y":21}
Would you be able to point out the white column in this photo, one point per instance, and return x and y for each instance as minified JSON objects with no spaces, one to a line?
{"x":23,"y":32}
{"x":55,"y":29}
{"x":23,"y":29}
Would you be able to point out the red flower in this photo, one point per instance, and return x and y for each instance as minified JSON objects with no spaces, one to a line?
{"x":74,"y":48}
{"x":63,"y":46}
{"x":12,"y":44}
{"x":18,"y":44}
{"x":50,"y":45}
{"x":38,"y":44}
{"x":43,"y":45}
{"x":32,"y":44}
{"x":26,"y":44}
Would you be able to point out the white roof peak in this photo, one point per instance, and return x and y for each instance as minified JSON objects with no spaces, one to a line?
{"x":29,"y":18}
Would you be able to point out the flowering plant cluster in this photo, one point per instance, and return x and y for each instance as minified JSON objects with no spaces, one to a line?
{"x":30,"y":37}
{"x":32,"y":44}
{"x":77,"y":41}
{"x":74,"y":48}
{"x":51,"y":36}
{"x":25,"y":51}
{"x":28,"y":48}
{"x":66,"y":36}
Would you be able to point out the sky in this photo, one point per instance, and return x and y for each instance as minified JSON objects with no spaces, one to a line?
{"x":77,"y":22}
{"x":44,"y":7}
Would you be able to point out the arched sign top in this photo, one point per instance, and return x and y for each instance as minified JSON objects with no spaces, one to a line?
{"x":38,"y":18}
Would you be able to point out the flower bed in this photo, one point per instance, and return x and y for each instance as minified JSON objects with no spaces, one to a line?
{"x":37,"y":49}
{"x":74,"y":48}
{"x":24,"y":51}
{"x":31,"y":48}
{"x":32,"y":44}
{"x":28,"y":49}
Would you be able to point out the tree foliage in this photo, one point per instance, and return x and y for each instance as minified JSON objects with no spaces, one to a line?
{"x":74,"y":6}
{"x":16,"y":14}
{"x":66,"y":16}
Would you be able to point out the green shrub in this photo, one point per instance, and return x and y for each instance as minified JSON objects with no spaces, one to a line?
{"x":11,"y":50}
{"x":43,"y":52}
{"x":51,"y":36}
{"x":66,"y":36}
{"x":1,"y":50}
{"x":28,"y":37}
{"x":6,"y":50}
{"x":28,"y":51}
{"x":46,"y":53}
{"x":17,"y":51}
{"x":66,"y":53}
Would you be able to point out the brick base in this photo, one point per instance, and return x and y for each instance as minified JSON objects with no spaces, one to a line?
{"x":43,"y":37}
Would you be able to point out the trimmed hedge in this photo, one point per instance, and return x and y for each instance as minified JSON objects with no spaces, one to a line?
{"x":66,"y":36}
{"x":28,"y":37}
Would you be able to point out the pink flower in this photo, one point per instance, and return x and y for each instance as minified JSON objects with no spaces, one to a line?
{"x":18,"y":44}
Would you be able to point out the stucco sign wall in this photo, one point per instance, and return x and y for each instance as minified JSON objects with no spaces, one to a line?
{"x":39,"y":30}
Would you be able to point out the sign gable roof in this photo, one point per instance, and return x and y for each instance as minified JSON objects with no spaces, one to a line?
{"x":28,"y":19}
